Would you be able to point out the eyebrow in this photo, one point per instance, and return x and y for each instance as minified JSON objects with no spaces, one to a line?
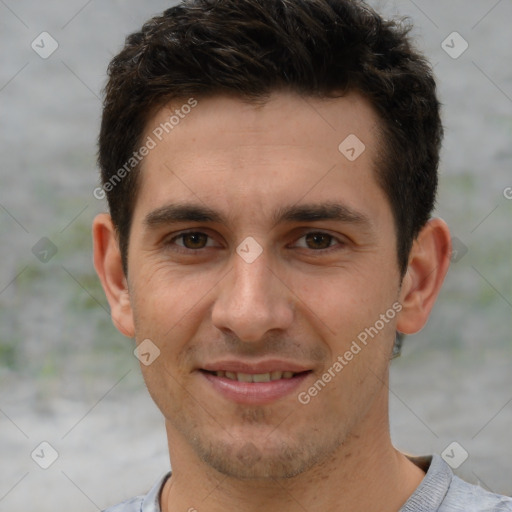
{"x":190,"y":212}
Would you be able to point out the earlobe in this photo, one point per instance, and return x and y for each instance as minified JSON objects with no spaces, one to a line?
{"x":428,"y":264}
{"x":108,"y":265}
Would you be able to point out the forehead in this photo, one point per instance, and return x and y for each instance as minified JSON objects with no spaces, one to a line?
{"x":237,"y":156}
{"x":283,"y":117}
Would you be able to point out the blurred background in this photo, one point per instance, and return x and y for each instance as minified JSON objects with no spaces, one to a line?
{"x":69,"y":379}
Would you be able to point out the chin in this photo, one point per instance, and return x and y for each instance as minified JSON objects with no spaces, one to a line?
{"x":267,"y":461}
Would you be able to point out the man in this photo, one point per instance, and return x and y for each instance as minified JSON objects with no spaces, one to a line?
{"x":271,"y":170}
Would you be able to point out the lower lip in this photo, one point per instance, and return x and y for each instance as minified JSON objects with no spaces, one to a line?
{"x":255,"y":393}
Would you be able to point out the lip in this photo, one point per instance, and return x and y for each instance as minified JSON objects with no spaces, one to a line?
{"x":254,"y":393}
{"x":266,"y":366}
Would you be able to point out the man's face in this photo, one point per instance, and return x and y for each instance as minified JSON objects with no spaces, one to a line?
{"x":295,"y":307}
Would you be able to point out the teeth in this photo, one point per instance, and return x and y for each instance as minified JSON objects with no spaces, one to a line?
{"x":255,"y":377}
{"x":261,"y":377}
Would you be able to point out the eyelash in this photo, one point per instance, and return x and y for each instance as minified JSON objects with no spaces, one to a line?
{"x":186,"y":250}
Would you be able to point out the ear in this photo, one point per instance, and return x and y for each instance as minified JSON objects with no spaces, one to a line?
{"x":428,"y":263}
{"x":108,"y":265}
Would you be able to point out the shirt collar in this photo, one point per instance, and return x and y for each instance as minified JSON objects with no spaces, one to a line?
{"x":151,"y":502}
{"x":433,"y":487}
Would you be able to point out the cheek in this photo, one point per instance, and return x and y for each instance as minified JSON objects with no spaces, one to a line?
{"x":163,"y":298}
{"x":346,"y":303}
{"x":164,"y":305}
{"x":169,"y":308}
{"x":357,"y":323}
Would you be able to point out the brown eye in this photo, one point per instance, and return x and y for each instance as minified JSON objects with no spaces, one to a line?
{"x":194,"y":240}
{"x":318,"y":240}
{"x":192,"y":243}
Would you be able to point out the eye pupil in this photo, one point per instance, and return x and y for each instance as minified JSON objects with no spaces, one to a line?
{"x":196,"y":238}
{"x":317,"y":239}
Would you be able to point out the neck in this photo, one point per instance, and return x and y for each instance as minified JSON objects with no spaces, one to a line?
{"x":366,"y":473}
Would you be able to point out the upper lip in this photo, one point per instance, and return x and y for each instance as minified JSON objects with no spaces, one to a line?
{"x":273,"y":365}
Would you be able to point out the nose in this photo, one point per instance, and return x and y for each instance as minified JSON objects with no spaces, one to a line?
{"x":252,"y":300}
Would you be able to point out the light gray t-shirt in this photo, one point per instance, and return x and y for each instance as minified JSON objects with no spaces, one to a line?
{"x":439,"y":491}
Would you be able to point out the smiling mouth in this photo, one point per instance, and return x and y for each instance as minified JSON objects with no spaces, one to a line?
{"x":256,"y":377}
